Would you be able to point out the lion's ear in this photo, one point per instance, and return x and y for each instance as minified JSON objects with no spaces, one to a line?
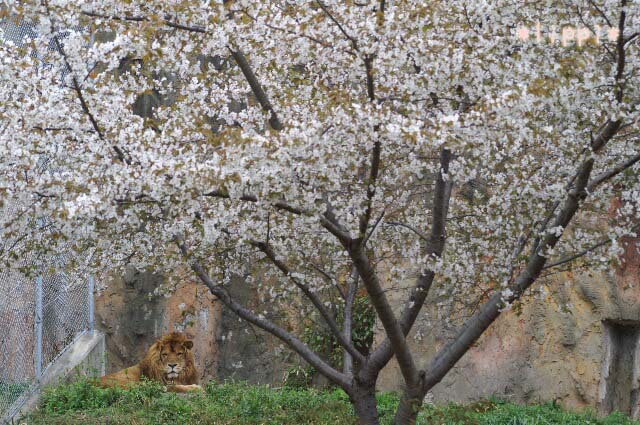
{"x":188,"y":345}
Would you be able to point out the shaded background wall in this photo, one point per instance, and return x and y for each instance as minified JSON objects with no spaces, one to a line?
{"x":224,"y":347}
{"x":578,"y":345}
{"x":132,"y":319}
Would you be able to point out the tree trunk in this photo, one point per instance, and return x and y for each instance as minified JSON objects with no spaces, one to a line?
{"x":364,"y":405}
{"x":347,"y":359}
{"x":409,"y":407}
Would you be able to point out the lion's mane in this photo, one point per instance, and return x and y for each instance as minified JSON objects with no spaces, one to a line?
{"x":152,"y":368}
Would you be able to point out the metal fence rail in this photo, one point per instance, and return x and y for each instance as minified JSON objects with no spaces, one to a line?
{"x":39,"y":319}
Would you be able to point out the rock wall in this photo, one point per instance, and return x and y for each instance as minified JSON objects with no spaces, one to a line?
{"x":224,"y":346}
{"x":133,"y":319}
{"x":246,"y":352}
{"x":567,"y":346}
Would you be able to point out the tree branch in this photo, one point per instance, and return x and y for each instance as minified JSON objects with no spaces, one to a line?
{"x":256,"y":87}
{"x":281,"y":205}
{"x":368,"y":66}
{"x":375,"y":155}
{"x":605,"y":134}
{"x":238,"y":56}
{"x":313,"y":297}
{"x":294,"y":343}
{"x":373,"y":228}
{"x":371,"y":189}
{"x":609,"y":174}
{"x":631,"y":37}
{"x":328,"y":277}
{"x":620,"y":52}
{"x":115,"y":17}
{"x":384,"y":311}
{"x":324,"y":8}
{"x":76,"y":86}
{"x":335,"y":229}
{"x":327,"y":220}
{"x":612,"y":127}
{"x":434,"y":247}
{"x":604,"y":16}
{"x":347,"y":326}
{"x":410,"y":227}
{"x":584,"y":252}
{"x":474,"y":327}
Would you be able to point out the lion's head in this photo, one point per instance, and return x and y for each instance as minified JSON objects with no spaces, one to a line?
{"x":170,"y":360}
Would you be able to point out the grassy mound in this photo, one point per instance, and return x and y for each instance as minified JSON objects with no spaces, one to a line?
{"x":238,"y":403}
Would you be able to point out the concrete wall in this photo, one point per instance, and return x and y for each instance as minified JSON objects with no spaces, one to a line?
{"x":85,"y":357}
{"x":246,"y":352}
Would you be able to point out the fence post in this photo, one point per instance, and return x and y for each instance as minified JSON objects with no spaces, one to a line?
{"x":39,"y":318}
{"x":91,"y":285}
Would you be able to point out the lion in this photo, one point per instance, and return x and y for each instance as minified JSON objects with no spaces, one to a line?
{"x":168,"y":361}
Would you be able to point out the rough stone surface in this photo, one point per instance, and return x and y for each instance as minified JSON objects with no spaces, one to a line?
{"x":246,"y":352}
{"x":224,"y":346}
{"x":552,"y":349}
{"x":132,"y":319}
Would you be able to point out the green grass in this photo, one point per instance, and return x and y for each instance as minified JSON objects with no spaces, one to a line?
{"x":238,"y":403}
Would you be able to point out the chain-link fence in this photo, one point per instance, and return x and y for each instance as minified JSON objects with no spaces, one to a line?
{"x":46,"y":302}
{"x":39,"y":319}
{"x":17,"y":340}
{"x":40,"y":315}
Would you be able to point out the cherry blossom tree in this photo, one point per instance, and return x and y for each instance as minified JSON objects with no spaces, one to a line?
{"x":336,"y":146}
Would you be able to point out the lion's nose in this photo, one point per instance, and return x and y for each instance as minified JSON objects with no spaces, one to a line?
{"x":173,"y":365}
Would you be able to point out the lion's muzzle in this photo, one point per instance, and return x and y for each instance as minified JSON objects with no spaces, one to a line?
{"x":172,"y":370}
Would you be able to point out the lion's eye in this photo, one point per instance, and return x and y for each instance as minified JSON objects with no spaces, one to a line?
{"x":180,"y":354}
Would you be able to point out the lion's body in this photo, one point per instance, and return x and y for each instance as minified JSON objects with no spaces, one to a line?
{"x":168,"y":361}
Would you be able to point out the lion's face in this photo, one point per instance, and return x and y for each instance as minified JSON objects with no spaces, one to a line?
{"x":173,"y":357}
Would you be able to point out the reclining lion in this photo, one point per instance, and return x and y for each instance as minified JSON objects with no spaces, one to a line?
{"x":168,"y":361}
